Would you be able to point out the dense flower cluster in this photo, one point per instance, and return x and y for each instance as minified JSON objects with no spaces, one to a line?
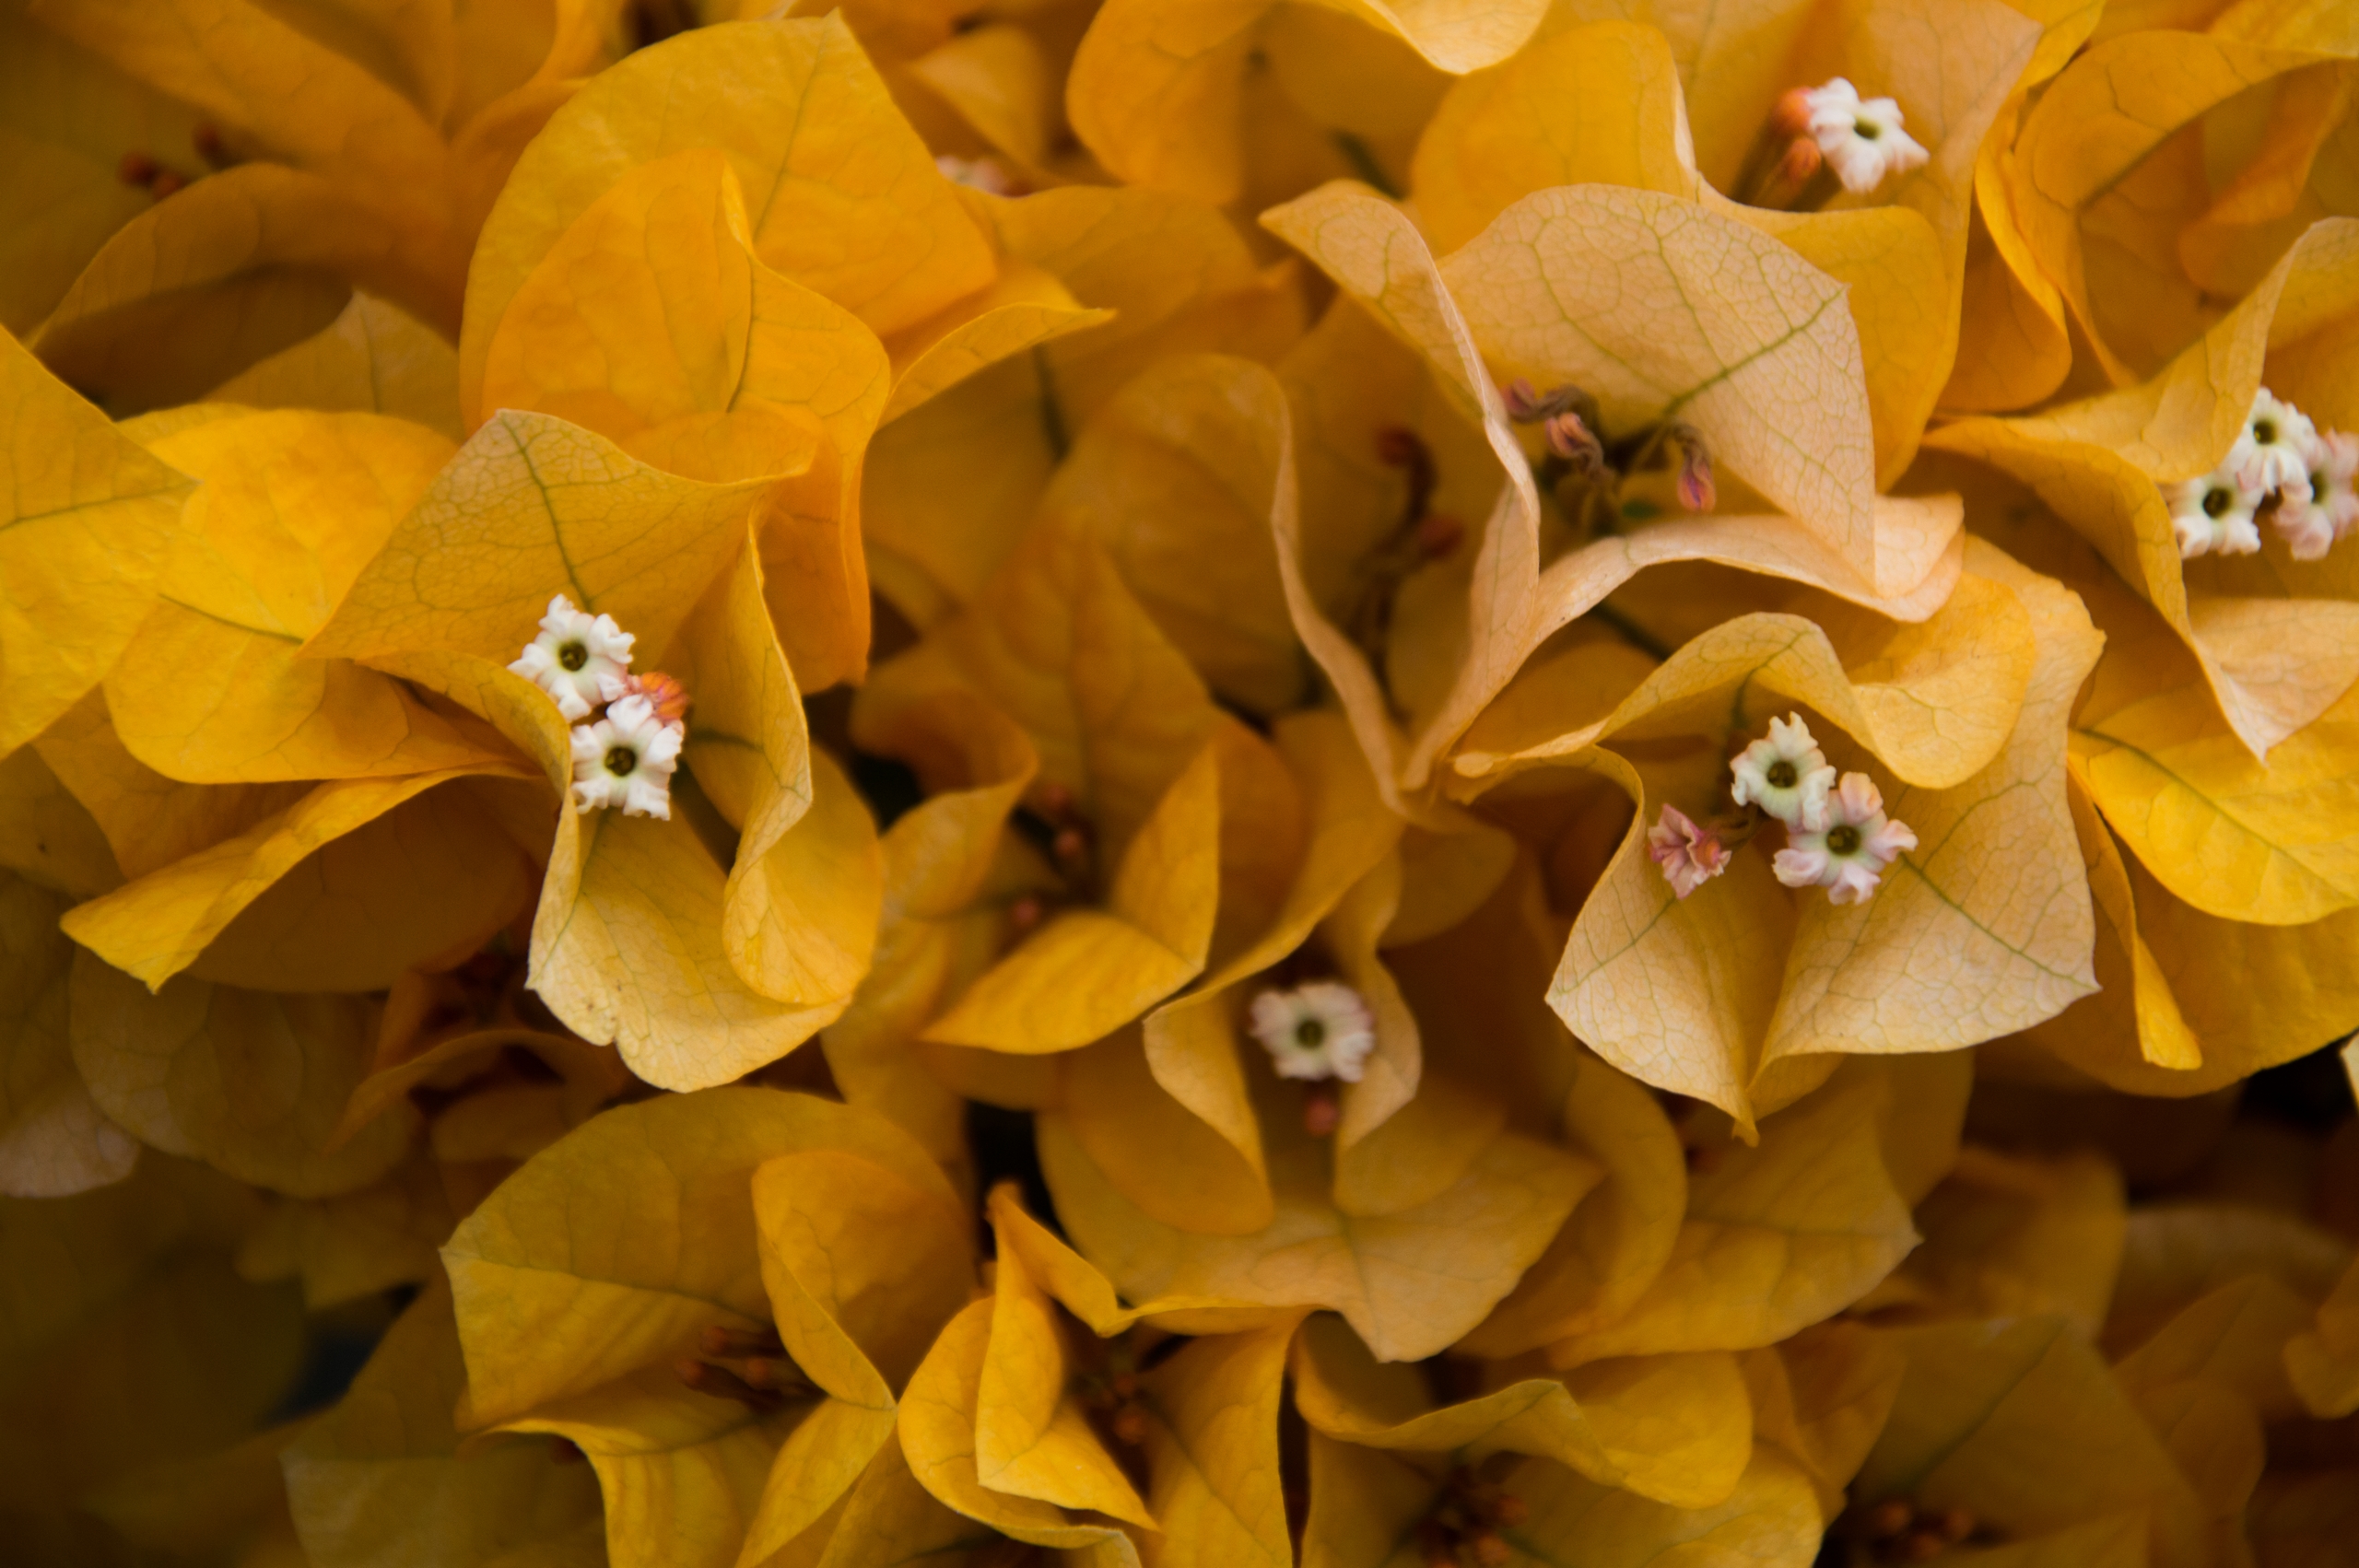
{"x":1190,"y":783}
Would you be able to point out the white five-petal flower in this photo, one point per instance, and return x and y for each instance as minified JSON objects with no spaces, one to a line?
{"x":2213,"y":516}
{"x":625,"y":759}
{"x":1855,"y":847}
{"x":1861,"y":138}
{"x":579,"y":659}
{"x":1848,"y":856}
{"x":1787,"y":775}
{"x":2274,"y":452}
{"x":2311,"y":527}
{"x":1316,"y":1031}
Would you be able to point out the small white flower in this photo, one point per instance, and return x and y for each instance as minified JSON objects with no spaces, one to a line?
{"x":1849,"y":857}
{"x":579,"y":659}
{"x":2272,"y":453}
{"x":625,"y":759}
{"x":2312,"y":527}
{"x":2214,"y":515}
{"x":1786,"y":775}
{"x":1861,"y":138}
{"x":1316,"y":1031}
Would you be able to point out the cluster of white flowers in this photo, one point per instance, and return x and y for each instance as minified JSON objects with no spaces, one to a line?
{"x":1838,"y":837}
{"x":1315,"y":1032}
{"x":2280,"y":454}
{"x":626,"y":729}
{"x":1860,"y":139}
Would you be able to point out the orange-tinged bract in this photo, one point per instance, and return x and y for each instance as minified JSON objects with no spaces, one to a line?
{"x":1179,"y":783}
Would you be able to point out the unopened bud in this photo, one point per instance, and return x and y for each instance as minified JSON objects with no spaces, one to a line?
{"x":1802,"y":159}
{"x":1885,"y":1519}
{"x":1697,"y":492}
{"x":1790,"y":117}
{"x":1056,"y":802}
{"x":666,"y":695}
{"x":1510,"y":1510}
{"x":1071,"y":846}
{"x":206,"y":139}
{"x":166,"y":184}
{"x":1491,"y":1550}
{"x":1921,"y":1545}
{"x":137,"y":169}
{"x":1025,"y":915}
{"x":1524,"y":404}
{"x":1954,"y":1524}
{"x":1437,"y":534}
{"x":1570,"y":438}
{"x":1398,"y":446}
{"x":1130,"y":1425}
{"x":1322,"y":1111}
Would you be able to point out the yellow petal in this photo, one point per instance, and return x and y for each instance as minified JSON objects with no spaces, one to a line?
{"x":47,"y":835}
{"x":2018,"y":942}
{"x":2112,"y":106}
{"x":530,"y":506}
{"x":379,"y":1480}
{"x":249,"y":1083}
{"x":2017,"y":1236}
{"x":681,"y":1473}
{"x":1085,"y":972}
{"x":1777,"y":1236}
{"x":937,"y":1431}
{"x":1409,"y":1281}
{"x":149,"y":821}
{"x":1176,"y":477}
{"x":1156,"y":94}
{"x":1024,"y":307}
{"x":355,"y":881}
{"x":1822,"y":1397}
{"x":354,"y":1244}
{"x":1033,"y":1438}
{"x":1599,"y":104}
{"x":1768,"y":368}
{"x":373,"y":359}
{"x":90,"y":524}
{"x":1771,"y":1518}
{"x":1212,"y":1447}
{"x":2021,"y":1423}
{"x":849,"y":202}
{"x":54,"y":1140}
{"x":1676,"y":1429}
{"x":546,"y":1314}
{"x":1620,"y":1235}
{"x":2323,"y":1362}
{"x":292,"y":506}
{"x":953,"y":484}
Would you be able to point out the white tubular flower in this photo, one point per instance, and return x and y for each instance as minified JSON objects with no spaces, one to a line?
{"x":579,"y":659}
{"x":2274,"y":452}
{"x":1786,"y":775}
{"x":1849,"y":856}
{"x":625,"y":759}
{"x":1861,"y":138}
{"x":1315,"y":1032}
{"x":2213,"y":516}
{"x":2312,"y":527}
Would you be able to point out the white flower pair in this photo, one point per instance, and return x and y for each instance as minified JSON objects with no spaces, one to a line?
{"x":1836,"y":834}
{"x":624,"y":757}
{"x":2279,"y":452}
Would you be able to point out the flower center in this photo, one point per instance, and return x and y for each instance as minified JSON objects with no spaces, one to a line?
{"x":1310,"y":1034}
{"x":2217,"y":501}
{"x":2265,"y":432}
{"x":621,"y":760}
{"x":1781,"y":773}
{"x":572,"y":655}
{"x":1866,"y":130}
{"x":1843,"y":839}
